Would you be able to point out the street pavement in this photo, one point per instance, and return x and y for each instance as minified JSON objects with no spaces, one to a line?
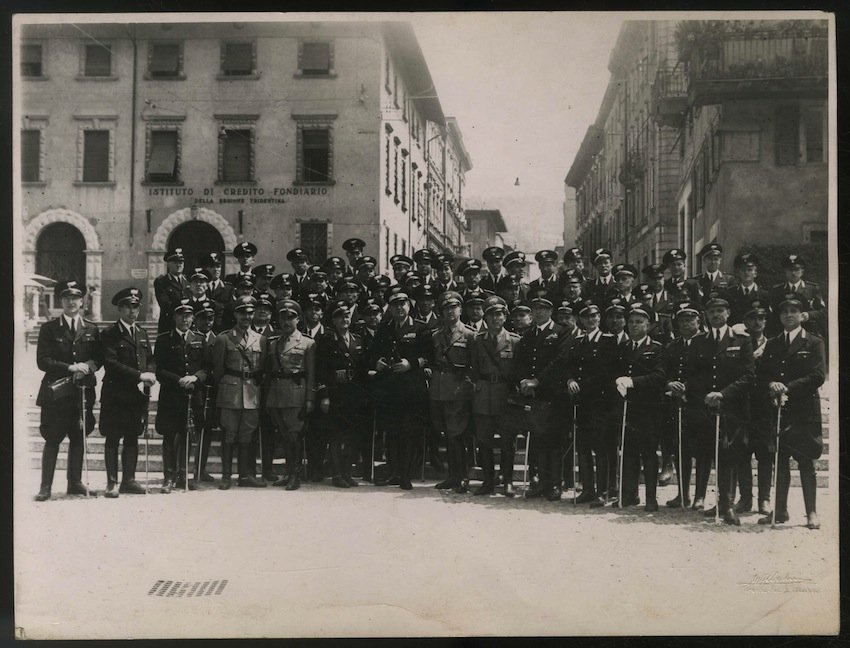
{"x":375,"y":561}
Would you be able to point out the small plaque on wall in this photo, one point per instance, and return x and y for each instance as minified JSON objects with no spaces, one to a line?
{"x":139,"y":273}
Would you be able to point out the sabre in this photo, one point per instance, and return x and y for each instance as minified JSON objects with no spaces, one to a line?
{"x":575,"y":439}
{"x":775,"y":463}
{"x":374,"y":434}
{"x":199,"y":454}
{"x":525,"y":461}
{"x":83,"y":428}
{"x":622,"y":453}
{"x":147,"y":393}
{"x":681,"y":494}
{"x":190,"y":432}
{"x":717,"y":468}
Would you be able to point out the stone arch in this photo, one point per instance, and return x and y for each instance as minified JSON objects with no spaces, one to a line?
{"x":156,"y":266}
{"x":93,"y":251}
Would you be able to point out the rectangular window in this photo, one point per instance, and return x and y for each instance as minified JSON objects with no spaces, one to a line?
{"x":31,"y":65}
{"x":238,"y":59}
{"x":786,"y":128}
{"x":315,"y":155}
{"x":30,"y":155}
{"x":395,"y":243}
{"x":314,"y":241}
{"x":162,"y":165}
{"x":96,"y":156}
{"x":98,"y":61}
{"x":404,"y":180}
{"x":164,"y":60}
{"x":236,"y":156}
{"x":387,"y":155}
{"x":813,"y":134}
{"x":387,"y":244}
{"x":698,"y":181}
{"x":315,"y":58}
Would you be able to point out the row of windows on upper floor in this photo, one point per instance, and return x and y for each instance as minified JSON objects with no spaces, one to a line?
{"x":238,"y":59}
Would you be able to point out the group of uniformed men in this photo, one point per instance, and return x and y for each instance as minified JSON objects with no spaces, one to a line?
{"x":595,"y":373}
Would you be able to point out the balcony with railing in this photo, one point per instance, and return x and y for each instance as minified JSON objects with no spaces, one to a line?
{"x":726,"y":62}
{"x":670,"y":95}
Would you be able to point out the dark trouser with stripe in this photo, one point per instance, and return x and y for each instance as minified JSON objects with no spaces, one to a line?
{"x":808,"y":481}
{"x":59,"y":420}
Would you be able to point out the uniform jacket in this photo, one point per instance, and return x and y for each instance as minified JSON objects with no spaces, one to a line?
{"x":535,"y":352}
{"x":727,"y":367}
{"x":450,"y":360}
{"x":813,"y":304}
{"x":674,"y":360}
{"x":801,"y":368}
{"x":231,"y":353}
{"x":233,"y":278}
{"x":341,"y":373}
{"x":176,"y":358}
{"x":598,"y":291}
{"x":393,"y":342}
{"x":168,"y":293}
{"x":740,"y":302}
{"x":644,"y":366}
{"x":488,"y":282}
{"x":721,"y":283}
{"x":291,"y":371}
{"x":124,"y":360}
{"x":550,"y":289}
{"x":492,"y":363}
{"x":587,"y":362}
{"x":57,"y":350}
{"x":681,"y":289}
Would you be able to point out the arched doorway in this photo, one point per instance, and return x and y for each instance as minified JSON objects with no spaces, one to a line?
{"x":197,"y":238}
{"x":60,"y":253}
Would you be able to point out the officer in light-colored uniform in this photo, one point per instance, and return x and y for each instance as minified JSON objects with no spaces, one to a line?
{"x":238,"y":357}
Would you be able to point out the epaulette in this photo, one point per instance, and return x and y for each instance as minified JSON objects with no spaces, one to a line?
{"x":813,"y":284}
{"x":610,"y":335}
{"x":781,"y":284}
{"x":88,"y":321}
{"x":742,"y":334}
{"x":162,"y":334}
{"x":482,"y":333}
{"x":416,"y":320}
{"x":511,"y":334}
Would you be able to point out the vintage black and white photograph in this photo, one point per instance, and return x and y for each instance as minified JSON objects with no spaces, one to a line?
{"x":444,"y":324}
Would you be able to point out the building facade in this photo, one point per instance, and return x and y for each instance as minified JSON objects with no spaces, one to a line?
{"x":708,"y":132}
{"x":139,"y":138}
{"x":484,"y":228}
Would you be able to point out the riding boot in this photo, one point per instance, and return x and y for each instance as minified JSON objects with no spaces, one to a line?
{"x":485,"y":456}
{"x":169,"y":462}
{"x":745,"y":477}
{"x":585,"y":474}
{"x":650,"y":475}
{"x":345,"y":464}
{"x":247,"y":462}
{"x":49,"y":454}
{"x":129,"y":459}
{"x":783,"y":482}
{"x":226,"y":464}
{"x":507,"y":455}
{"x":702,"y":476}
{"x":293,"y":464}
{"x":808,"y":480}
{"x":110,"y":458}
{"x":405,"y":460}
{"x":75,"y":464}
{"x":765,"y":477}
{"x":338,"y":478}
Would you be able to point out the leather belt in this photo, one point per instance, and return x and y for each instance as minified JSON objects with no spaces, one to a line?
{"x":245,"y":375}
{"x":288,"y":375}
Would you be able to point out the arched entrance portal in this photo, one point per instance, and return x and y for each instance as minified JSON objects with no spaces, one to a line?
{"x":60,"y":253}
{"x":197,"y":238}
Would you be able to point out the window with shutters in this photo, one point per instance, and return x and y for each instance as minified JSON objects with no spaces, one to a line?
{"x":314,"y":239}
{"x":239,"y":60}
{"x":396,"y":141}
{"x":387,"y":154}
{"x":314,"y":150}
{"x":162,"y":156}
{"x":812,"y":131}
{"x":404,"y":154}
{"x":315,"y":59}
{"x":32,"y":60}
{"x":97,"y":60}
{"x":31,"y":155}
{"x":786,"y":135}
{"x":96,"y":149}
{"x":165,"y":61}
{"x":96,"y":156}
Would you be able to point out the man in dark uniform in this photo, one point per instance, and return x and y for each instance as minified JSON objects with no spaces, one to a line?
{"x":311,"y":324}
{"x":353,"y":248}
{"x":169,"y":288}
{"x":426,"y":302}
{"x":624,"y":281}
{"x":713,"y":279}
{"x":298,"y":258}
{"x":238,"y":356}
{"x":197,"y":290}
{"x":515,"y":263}
{"x":574,"y":263}
{"x":603,"y":287}
{"x":341,"y":392}
{"x":398,"y":356}
{"x":336,"y":269}
{"x":263,"y":324}
{"x":244,"y":253}
{"x":674,"y":362}
{"x":720,"y":372}
{"x":263,"y":275}
{"x":638,"y":378}
{"x":493,"y":258}
{"x":181,"y":369}
{"x":615,"y":321}
{"x":746,"y":290}
{"x":520,"y":319}
{"x":128,"y":364}
{"x":571,"y":286}
{"x":424,"y":260}
{"x":536,"y":350}
{"x":364,"y":270}
{"x":377,"y":289}
{"x":445,"y":274}
{"x":217,"y":290}
{"x":470,"y":270}
{"x":660,"y":300}
{"x":814,"y":313}
{"x":203,"y":323}
{"x":450,"y":386}
{"x":790,"y":372}
{"x":492,"y":362}
{"x":582,"y":371}
{"x":759,"y":439}
{"x":68,"y":346}
{"x":678,"y":286}
{"x":510,"y":289}
{"x":473,"y":311}
{"x":370,"y":311}
{"x":401,"y":266}
{"x":291,"y":372}
{"x":282,"y":286}
{"x":547,"y":285}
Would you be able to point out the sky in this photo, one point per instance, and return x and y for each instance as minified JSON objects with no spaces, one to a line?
{"x":524,"y":87}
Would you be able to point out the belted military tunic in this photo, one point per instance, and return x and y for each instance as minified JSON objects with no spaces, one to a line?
{"x":291,"y":381}
{"x":237,"y":363}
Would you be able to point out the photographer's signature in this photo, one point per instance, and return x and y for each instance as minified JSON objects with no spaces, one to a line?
{"x":775,"y":582}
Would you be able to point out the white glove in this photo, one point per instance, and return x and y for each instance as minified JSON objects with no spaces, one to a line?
{"x":624,"y":384}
